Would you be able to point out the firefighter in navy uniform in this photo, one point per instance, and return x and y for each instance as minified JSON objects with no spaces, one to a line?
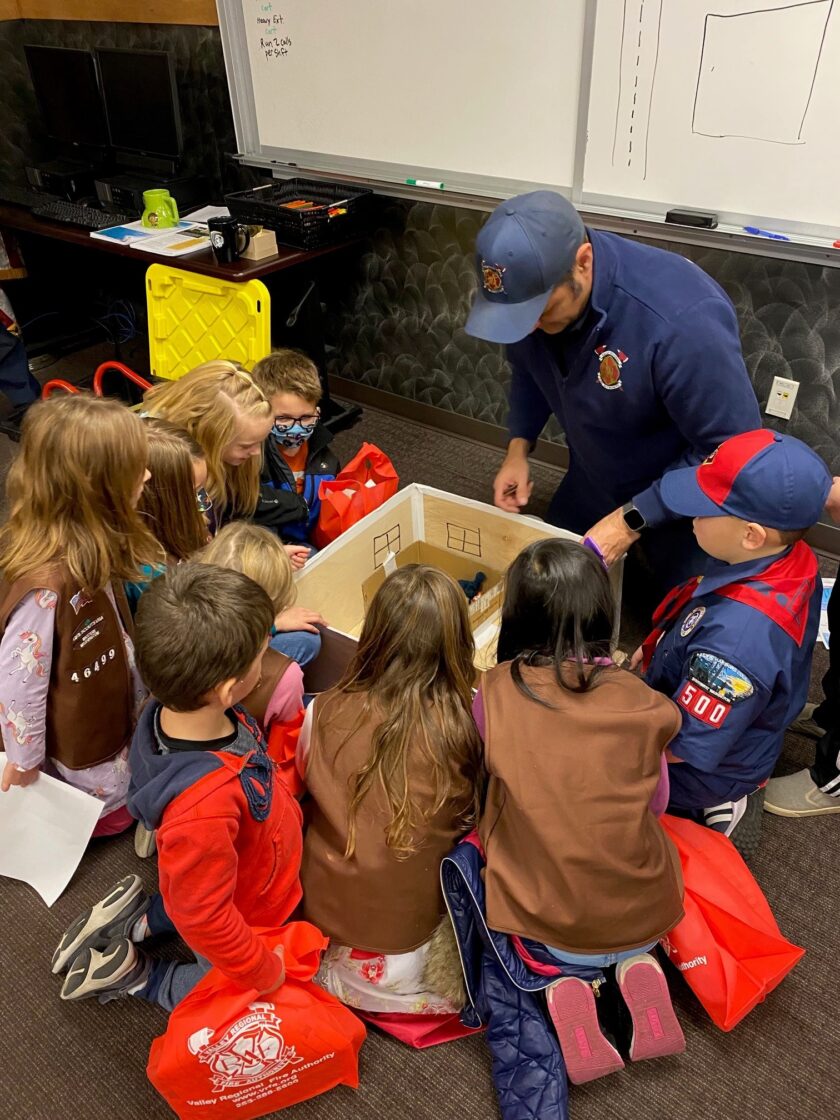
{"x":733,"y":647}
{"x":636,"y":352}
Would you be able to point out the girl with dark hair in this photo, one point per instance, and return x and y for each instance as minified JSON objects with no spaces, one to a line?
{"x":574,"y":751}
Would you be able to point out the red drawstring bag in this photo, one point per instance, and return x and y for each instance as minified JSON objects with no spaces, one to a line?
{"x":232,"y":1053}
{"x":368,"y":480}
{"x":419,"y":1031}
{"x":282,"y":750}
{"x":728,"y":946}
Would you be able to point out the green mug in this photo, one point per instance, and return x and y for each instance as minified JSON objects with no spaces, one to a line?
{"x":161,"y":210}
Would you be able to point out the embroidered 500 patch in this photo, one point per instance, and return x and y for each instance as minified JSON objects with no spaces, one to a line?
{"x":702,"y":705}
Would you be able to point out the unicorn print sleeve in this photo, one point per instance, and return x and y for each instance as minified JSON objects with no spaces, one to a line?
{"x":25,"y":660}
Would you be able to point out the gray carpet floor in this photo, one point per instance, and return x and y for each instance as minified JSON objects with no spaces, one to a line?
{"x":89,"y":1061}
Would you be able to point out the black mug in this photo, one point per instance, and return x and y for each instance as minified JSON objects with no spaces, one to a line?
{"x":228,"y":239}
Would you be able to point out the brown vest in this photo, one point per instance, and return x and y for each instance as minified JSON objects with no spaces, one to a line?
{"x":373,"y":900}
{"x":90,"y":675}
{"x":274,"y":665}
{"x":575,"y":858}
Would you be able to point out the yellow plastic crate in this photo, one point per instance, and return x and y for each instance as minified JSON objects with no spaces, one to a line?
{"x":195,"y":318}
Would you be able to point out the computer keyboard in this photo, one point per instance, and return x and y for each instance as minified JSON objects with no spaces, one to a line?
{"x":25,"y":196}
{"x":89,"y":217}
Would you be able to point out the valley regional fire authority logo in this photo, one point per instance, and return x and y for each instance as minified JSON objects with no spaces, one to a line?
{"x":492,"y":276}
{"x":250,"y":1050}
{"x":609,"y":367}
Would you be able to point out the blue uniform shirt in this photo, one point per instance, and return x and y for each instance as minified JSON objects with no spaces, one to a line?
{"x":739,"y":679}
{"x":650,"y":378}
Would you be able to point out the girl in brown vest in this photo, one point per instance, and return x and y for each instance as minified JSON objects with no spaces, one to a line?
{"x":69,"y":691}
{"x":576,"y":858}
{"x":391,"y":759}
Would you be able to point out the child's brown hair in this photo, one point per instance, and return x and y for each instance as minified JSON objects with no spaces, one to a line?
{"x":196,"y":627}
{"x":288,"y":371}
{"x":414,"y":664}
{"x":168,"y":502}
{"x":72,"y":491}
{"x":256,"y":553}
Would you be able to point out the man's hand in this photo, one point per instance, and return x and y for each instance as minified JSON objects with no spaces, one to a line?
{"x":512,"y":486}
{"x":298,"y":554}
{"x":612,"y":536}
{"x":832,"y":504}
{"x":12,"y":776}
{"x":636,"y":660}
{"x":299,"y":618}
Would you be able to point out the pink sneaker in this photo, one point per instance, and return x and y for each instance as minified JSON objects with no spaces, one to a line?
{"x":656,"y":1030}
{"x":587,"y":1053}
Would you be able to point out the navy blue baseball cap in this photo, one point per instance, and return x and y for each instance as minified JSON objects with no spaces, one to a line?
{"x":525,"y":248}
{"x":774,"y":480}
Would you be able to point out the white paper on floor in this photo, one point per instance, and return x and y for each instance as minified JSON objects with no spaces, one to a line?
{"x":44,"y":830}
{"x":824,"y":634}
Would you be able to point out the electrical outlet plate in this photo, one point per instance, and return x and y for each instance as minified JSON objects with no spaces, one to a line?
{"x":782,"y":397}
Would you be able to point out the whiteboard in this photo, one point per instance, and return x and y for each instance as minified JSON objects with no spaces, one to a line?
{"x":481,"y":95}
{"x":720,"y":105}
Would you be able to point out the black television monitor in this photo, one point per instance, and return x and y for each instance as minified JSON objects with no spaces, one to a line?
{"x":141,"y":101}
{"x":67,"y":90}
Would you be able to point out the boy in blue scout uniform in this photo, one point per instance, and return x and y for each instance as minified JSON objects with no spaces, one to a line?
{"x":733,"y":647}
{"x":635,"y":350}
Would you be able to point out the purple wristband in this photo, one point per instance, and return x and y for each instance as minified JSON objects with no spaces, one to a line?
{"x":593,"y":547}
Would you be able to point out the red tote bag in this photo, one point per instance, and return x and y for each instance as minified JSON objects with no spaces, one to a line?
{"x":420,"y":1031}
{"x":231,"y":1053}
{"x":368,"y":480}
{"x":728,"y":946}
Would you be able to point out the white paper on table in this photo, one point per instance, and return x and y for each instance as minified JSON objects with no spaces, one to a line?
{"x":824,"y":634}
{"x":207,"y":212}
{"x":44,"y":830}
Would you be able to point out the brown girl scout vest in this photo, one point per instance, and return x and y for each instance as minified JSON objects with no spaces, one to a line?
{"x":274,"y":665}
{"x":575,"y":858}
{"x":373,"y":900}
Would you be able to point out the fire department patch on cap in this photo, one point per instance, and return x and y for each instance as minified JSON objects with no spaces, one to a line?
{"x":691,"y":620}
{"x":492,"y":276}
{"x":609,"y":367}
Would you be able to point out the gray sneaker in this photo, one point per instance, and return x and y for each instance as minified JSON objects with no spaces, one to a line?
{"x":110,"y":918}
{"x":806,"y":725}
{"x":796,"y":795}
{"x":118,"y":970}
{"x":145,"y":841}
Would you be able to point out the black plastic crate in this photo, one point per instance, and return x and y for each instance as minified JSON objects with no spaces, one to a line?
{"x":304,"y":229}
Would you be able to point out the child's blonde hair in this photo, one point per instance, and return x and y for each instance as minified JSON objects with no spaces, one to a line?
{"x":168,"y":502}
{"x":256,"y":553}
{"x":71,"y":493}
{"x":288,"y":371}
{"x":207,"y":403}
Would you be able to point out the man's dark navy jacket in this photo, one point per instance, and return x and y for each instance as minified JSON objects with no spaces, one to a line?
{"x":650,"y":378}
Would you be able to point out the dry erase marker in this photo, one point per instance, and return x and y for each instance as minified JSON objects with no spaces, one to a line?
{"x":756,"y":232}
{"x":424,"y":183}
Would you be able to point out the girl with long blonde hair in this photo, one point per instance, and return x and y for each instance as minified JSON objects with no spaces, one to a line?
{"x":69,"y":692}
{"x":391,"y":758}
{"x":219,"y":405}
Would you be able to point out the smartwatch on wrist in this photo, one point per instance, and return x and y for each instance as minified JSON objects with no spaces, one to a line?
{"x":633,"y":519}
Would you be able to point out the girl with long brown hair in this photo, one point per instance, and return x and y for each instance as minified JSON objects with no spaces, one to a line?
{"x":391,"y":757}
{"x":174,"y":501}
{"x":219,"y":405}
{"x":69,"y":691}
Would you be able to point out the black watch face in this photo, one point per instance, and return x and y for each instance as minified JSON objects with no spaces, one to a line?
{"x":634,"y":520}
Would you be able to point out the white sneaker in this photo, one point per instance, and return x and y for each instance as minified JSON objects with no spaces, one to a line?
{"x":806,"y":725}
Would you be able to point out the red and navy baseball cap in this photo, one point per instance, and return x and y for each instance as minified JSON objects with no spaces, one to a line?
{"x":762,"y":476}
{"x":525,"y":248}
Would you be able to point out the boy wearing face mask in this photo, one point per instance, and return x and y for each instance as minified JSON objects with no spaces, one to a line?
{"x":297,"y":455}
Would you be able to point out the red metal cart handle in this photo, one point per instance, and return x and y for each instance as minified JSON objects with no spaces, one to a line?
{"x":127,"y":373}
{"x":57,"y":383}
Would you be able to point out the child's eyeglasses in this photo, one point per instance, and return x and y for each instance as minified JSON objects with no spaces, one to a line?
{"x":309,"y":420}
{"x":203,"y":500}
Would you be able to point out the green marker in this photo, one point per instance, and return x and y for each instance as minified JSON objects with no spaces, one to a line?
{"x":425,"y":183}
